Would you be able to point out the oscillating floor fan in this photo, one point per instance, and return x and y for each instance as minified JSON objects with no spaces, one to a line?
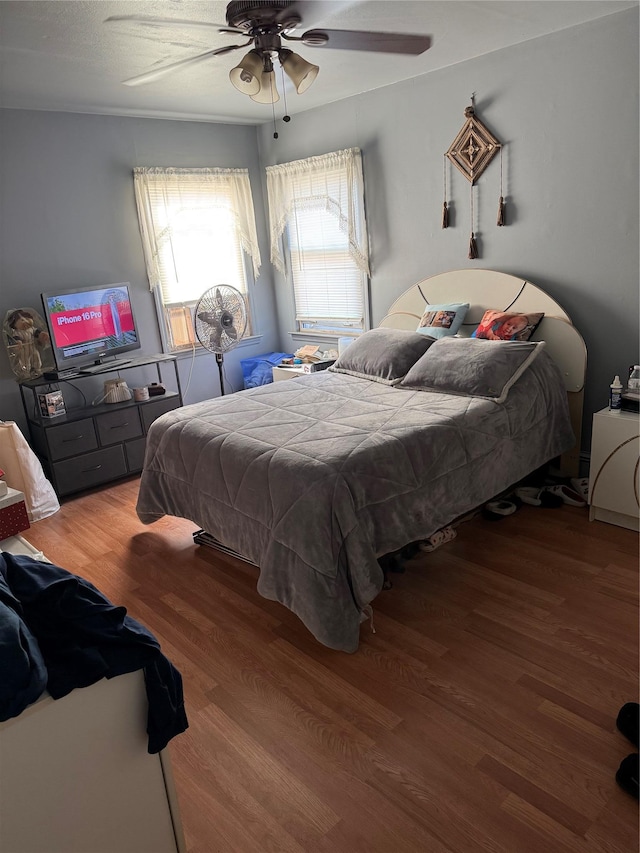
{"x":220,"y":322}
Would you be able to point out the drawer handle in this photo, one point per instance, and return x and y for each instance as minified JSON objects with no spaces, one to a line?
{"x":75,"y":438}
{"x":95,"y":468}
{"x":120,"y":426}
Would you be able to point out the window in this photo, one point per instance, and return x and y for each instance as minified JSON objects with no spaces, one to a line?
{"x":197,"y":225}
{"x":317,"y":204}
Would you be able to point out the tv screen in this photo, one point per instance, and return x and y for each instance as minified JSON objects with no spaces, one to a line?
{"x":90,"y":325}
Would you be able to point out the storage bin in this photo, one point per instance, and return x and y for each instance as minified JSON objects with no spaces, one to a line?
{"x":13,"y":514}
{"x":257,"y":369}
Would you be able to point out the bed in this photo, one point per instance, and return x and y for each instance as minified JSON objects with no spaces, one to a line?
{"x":315,"y":479}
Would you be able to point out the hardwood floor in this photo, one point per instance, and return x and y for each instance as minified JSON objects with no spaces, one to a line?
{"x":479,"y":717}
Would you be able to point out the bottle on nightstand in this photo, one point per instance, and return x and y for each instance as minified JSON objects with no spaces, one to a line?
{"x":615,"y":395}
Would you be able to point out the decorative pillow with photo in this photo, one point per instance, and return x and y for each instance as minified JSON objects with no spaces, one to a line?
{"x":497,"y":325}
{"x":438,"y":321}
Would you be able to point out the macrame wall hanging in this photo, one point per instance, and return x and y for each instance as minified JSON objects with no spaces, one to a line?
{"x":471,"y":152}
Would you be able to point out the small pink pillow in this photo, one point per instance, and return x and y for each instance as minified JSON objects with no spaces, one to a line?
{"x":499,"y":325}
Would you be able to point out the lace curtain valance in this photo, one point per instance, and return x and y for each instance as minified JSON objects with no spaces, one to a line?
{"x":333,"y":182}
{"x":162,"y":192}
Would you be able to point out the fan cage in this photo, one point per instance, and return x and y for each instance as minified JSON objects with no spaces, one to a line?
{"x":224,"y":307}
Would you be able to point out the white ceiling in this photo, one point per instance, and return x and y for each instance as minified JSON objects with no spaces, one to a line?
{"x":60,"y":55}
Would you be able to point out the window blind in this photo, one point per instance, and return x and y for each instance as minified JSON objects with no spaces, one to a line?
{"x":319,"y":202}
{"x":327,"y":284}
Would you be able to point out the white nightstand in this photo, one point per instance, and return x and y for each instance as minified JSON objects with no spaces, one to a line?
{"x":280,"y":373}
{"x":613,"y":474}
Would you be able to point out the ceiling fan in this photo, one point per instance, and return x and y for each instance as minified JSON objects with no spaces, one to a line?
{"x":265,"y":24}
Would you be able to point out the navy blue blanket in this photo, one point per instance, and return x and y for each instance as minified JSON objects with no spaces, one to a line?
{"x":58,"y":632}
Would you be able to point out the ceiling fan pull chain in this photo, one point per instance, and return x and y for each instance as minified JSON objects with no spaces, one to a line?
{"x":273,"y":111}
{"x":286,"y":116}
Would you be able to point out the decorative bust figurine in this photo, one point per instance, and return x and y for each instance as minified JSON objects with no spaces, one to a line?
{"x":26,"y":338}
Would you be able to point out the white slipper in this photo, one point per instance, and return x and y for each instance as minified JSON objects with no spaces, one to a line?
{"x":440,"y":537}
{"x":569,"y":496}
{"x":535,"y":496}
{"x":581,"y":486}
{"x":501,"y":507}
{"x":529,"y":495}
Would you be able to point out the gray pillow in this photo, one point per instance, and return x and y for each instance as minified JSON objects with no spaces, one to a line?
{"x":472,"y":367}
{"x":383,"y":355}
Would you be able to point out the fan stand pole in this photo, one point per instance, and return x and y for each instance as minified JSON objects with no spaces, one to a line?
{"x":219,"y":359}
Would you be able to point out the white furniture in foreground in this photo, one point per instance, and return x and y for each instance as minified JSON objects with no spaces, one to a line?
{"x":75,"y":774}
{"x":613,"y":474}
{"x":76,"y":777}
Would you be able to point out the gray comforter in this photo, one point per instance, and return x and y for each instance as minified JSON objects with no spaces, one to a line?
{"x":315,"y":478}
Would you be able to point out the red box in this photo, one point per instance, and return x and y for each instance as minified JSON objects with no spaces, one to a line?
{"x":13,"y":514}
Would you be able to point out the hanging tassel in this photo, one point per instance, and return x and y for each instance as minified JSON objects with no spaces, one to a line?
{"x":473,"y":248}
{"x":500,"y":220}
{"x":445,"y":209}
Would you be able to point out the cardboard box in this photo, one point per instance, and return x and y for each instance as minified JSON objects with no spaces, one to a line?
{"x":13,"y":514}
{"x":51,"y":404}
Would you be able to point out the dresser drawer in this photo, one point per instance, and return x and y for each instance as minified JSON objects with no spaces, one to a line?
{"x":70,"y":439}
{"x":91,"y":469}
{"x":153,"y":410}
{"x":114,"y":427}
{"x":134,"y":451}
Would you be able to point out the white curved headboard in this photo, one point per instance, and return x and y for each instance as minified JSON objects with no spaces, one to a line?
{"x":486,"y":289}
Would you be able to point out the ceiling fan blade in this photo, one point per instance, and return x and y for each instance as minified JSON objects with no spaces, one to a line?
{"x":148,"y":21}
{"x":156,"y":73}
{"x":314,"y":11}
{"x":360,"y":40}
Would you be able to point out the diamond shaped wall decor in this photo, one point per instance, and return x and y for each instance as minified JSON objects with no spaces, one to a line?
{"x":473,"y":148}
{"x":471,"y":152}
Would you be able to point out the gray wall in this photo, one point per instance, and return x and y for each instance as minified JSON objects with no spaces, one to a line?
{"x":566,"y":107}
{"x":68,"y":219}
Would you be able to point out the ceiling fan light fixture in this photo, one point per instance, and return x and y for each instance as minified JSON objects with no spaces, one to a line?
{"x":268,"y":93}
{"x":300,"y":72}
{"x":247,"y":73}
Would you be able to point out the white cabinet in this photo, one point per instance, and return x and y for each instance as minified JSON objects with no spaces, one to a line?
{"x":75,"y":773}
{"x":614,"y":476}
{"x":76,"y":777}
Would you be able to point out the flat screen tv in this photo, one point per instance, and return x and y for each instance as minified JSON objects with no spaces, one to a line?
{"x":91,"y":327}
